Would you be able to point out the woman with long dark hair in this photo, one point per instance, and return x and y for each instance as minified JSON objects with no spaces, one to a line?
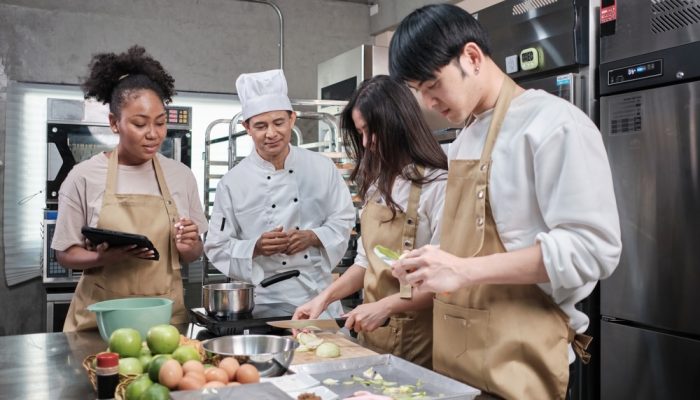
{"x":400,"y":172}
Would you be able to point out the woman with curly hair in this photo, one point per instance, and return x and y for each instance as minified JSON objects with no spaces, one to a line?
{"x":132,"y":188}
{"x":400,"y":171}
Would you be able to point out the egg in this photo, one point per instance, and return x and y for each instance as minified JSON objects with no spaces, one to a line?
{"x":230,"y":365}
{"x":170,"y":374}
{"x":214,"y":384}
{"x":247,"y":373}
{"x":192,"y":365}
{"x":189,"y":382}
{"x":216,"y":374}
{"x":199,"y":376}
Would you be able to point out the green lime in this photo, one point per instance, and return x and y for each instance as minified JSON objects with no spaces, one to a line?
{"x":155,"y":364}
{"x":137,"y":387}
{"x":156,"y":392}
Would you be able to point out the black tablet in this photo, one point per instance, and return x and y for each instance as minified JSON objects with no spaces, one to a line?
{"x":117,"y":239}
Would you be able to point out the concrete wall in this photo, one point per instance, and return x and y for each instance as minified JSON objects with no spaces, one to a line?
{"x":205,"y":44}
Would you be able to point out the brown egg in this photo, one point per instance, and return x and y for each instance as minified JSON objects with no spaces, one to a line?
{"x":199,"y":376}
{"x":214,"y":384}
{"x":170,"y":374}
{"x":189,"y":382}
{"x":216,"y":374}
{"x":247,"y":373}
{"x":230,"y":365}
{"x":192,"y":365}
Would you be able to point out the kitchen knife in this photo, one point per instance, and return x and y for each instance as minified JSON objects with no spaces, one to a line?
{"x":320,"y":324}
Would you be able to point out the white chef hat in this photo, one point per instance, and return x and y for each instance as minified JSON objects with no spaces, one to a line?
{"x":261,"y":92}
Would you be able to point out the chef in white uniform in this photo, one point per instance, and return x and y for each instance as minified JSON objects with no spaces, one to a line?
{"x":282,"y":207}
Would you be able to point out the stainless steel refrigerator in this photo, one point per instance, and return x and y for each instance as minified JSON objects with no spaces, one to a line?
{"x":650,"y":120}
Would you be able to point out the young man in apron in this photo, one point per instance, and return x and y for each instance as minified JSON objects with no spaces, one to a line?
{"x":400,"y":174}
{"x":130,"y":189}
{"x":530,"y":222}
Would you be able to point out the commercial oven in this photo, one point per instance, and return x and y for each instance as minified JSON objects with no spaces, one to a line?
{"x":650,"y":119}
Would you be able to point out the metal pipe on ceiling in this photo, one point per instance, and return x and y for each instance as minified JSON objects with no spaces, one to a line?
{"x":281,"y":23}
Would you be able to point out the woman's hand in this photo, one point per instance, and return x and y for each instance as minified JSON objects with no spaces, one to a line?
{"x":309,"y":310}
{"x":430,"y":269}
{"x":187,"y":239}
{"x":367,"y":317}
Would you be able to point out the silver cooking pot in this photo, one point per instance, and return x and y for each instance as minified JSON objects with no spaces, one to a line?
{"x":237,"y":297}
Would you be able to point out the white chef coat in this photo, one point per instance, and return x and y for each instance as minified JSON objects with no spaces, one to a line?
{"x":430,"y":205}
{"x":550,"y":182}
{"x":252,"y":198}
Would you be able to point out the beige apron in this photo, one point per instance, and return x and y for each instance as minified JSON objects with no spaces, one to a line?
{"x":508,"y":340}
{"x":152,"y":216}
{"x":408,"y":335}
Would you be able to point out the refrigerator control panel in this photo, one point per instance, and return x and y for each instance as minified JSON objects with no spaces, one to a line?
{"x":635,"y":72}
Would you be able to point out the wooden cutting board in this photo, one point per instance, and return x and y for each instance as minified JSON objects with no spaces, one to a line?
{"x":348,"y":349}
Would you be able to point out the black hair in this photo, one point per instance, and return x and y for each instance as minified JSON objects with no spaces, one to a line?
{"x":429,"y":38}
{"x":403,"y":138}
{"x":113,"y":77}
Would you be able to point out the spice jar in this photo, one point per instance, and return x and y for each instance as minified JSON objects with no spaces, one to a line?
{"x":107,"y":372}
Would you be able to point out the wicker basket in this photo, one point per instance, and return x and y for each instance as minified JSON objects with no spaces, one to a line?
{"x":125,"y":380}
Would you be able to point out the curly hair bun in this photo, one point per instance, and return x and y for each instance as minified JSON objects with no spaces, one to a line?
{"x":113,"y":76}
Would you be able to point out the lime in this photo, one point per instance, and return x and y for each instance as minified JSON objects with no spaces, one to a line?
{"x":186,"y":353}
{"x":163,"y":339}
{"x":155,"y":364}
{"x":156,"y":392}
{"x":137,"y":387}
{"x":130,"y":366}
{"x":126,"y":342}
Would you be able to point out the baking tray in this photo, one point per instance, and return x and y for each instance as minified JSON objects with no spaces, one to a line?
{"x":257,"y":391}
{"x":392,"y":369}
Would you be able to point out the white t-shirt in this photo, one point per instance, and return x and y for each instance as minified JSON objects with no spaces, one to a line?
{"x":430,"y":205}
{"x":550,"y":183}
{"x":80,"y":196}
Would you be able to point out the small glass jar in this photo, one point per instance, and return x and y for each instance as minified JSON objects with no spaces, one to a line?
{"x":107,"y":372}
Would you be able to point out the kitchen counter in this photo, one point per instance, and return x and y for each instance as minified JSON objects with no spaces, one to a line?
{"x":49,"y":365}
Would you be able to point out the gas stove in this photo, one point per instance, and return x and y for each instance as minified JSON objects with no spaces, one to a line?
{"x":254,"y":322}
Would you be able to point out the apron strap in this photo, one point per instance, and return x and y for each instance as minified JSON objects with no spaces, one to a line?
{"x":580,"y":343}
{"x":499,"y":113}
{"x":408,"y":236}
{"x":112,"y":168}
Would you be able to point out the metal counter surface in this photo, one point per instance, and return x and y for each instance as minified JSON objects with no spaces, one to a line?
{"x":49,"y":365}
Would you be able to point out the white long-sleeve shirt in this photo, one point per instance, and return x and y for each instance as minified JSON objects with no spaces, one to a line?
{"x":551,"y":183}
{"x":430,"y":205}
{"x":252,"y":198}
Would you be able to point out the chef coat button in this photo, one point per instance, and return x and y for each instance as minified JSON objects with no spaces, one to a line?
{"x":407,"y":243}
{"x":295,"y":200}
{"x":273,"y":206}
{"x":306,"y":256}
{"x":483,"y":167}
{"x":291,"y":171}
{"x":284,"y":263}
{"x":409,"y":221}
{"x":268,"y":177}
{"x":297,"y":228}
{"x":480,"y":194}
{"x":480,"y":221}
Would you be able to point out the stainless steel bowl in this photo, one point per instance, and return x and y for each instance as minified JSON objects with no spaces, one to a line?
{"x":223,"y":299}
{"x":271,"y":355}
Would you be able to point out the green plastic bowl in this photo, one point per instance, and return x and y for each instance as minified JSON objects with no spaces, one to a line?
{"x":140,"y":313}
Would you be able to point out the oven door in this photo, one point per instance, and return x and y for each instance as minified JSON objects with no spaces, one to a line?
{"x":57,"y":304}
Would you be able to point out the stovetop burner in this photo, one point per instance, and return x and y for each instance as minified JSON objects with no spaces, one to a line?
{"x":254,"y":322}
